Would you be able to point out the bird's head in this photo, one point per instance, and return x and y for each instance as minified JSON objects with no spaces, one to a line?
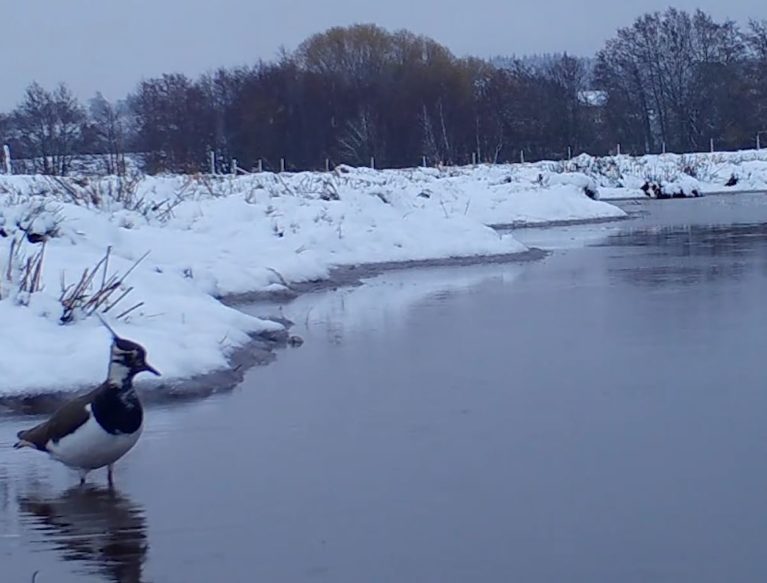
{"x":127,"y":359}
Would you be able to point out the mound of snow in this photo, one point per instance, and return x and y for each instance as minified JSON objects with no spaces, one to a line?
{"x":681,"y":187}
{"x":586,"y":183}
{"x":561,"y":203}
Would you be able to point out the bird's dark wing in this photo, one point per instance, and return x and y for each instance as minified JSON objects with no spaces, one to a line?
{"x":64,"y":421}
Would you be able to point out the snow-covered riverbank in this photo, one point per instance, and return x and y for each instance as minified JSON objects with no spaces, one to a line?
{"x":208,"y":237}
{"x":620,"y":177}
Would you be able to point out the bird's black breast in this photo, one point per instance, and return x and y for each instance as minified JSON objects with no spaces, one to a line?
{"x":118,"y":413}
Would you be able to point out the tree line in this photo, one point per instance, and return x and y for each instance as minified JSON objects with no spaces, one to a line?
{"x":670,"y":81}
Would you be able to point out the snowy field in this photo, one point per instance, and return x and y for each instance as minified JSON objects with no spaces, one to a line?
{"x":181,"y":242}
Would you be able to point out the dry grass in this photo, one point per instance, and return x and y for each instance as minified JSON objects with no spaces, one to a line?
{"x":91,"y":294}
{"x":123,"y":191}
{"x":22,"y":273}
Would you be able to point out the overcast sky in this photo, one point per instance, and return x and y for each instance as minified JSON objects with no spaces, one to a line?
{"x":109,"y":45}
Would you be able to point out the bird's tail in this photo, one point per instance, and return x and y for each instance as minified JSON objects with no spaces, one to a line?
{"x":22,"y":442}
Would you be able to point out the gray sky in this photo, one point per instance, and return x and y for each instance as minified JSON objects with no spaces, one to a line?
{"x":109,"y":45}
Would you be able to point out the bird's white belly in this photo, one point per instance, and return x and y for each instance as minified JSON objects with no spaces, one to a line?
{"x":90,"y":447}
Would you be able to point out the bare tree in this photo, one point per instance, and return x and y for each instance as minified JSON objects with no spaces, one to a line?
{"x":49,"y":128}
{"x":174,"y":124}
{"x":360,"y":142}
{"x":109,"y":126}
{"x":570,"y":78}
{"x":756,"y":39}
{"x":660,"y":72}
{"x":430,"y":148}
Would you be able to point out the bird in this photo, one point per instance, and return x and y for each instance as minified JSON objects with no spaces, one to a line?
{"x":99,"y":427}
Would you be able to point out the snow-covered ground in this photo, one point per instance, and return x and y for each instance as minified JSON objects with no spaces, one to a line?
{"x":208,"y":237}
{"x":623,"y":176}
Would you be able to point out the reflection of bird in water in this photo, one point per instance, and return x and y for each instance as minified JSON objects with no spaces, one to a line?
{"x":95,"y":526}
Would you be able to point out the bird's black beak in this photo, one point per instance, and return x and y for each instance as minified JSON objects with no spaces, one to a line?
{"x":149,"y":368}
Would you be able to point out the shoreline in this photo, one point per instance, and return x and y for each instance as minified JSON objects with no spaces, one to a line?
{"x":565,"y":222}
{"x":261,"y":349}
{"x":353,"y":275}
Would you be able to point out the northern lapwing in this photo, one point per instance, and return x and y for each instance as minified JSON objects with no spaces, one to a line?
{"x":98,"y":428}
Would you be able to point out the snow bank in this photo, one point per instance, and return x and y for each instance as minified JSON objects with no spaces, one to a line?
{"x":209,"y":237}
{"x":214,"y":236}
{"x":184,"y":330}
{"x":620,"y":176}
{"x":559,"y":203}
{"x":682,"y":186}
{"x":586,"y":184}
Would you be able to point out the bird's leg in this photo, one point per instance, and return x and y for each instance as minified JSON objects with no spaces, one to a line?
{"x":83,"y":473}
{"x":110,"y":475}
